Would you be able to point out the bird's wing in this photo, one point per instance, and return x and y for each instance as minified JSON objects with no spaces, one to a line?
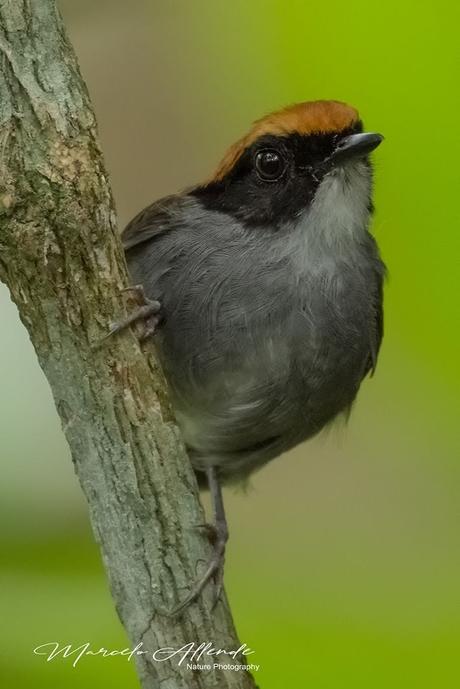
{"x":376,"y":334}
{"x":157,"y":218}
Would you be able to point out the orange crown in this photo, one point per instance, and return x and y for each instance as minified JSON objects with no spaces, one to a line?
{"x":313,"y":117}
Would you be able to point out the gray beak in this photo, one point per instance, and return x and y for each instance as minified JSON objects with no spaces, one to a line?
{"x":356,"y":146}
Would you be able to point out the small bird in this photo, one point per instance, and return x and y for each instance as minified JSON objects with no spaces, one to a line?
{"x":264,"y":288}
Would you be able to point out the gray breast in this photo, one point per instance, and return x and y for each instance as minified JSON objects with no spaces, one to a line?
{"x":264,"y":341}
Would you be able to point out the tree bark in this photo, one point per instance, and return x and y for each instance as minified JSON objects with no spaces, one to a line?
{"x":62,"y":260}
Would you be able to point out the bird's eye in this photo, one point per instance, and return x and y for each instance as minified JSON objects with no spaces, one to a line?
{"x":269,"y":164}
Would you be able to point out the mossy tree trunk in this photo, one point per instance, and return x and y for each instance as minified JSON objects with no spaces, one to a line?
{"x":62,"y":261}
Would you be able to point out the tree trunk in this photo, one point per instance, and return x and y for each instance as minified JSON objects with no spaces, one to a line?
{"x":62,"y":260}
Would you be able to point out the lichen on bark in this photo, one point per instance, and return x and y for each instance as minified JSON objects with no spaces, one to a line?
{"x":62,"y":261}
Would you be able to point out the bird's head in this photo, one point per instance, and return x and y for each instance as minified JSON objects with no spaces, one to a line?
{"x":306,"y":153}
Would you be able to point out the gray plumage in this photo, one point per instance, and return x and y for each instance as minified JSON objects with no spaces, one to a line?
{"x":267,"y":334}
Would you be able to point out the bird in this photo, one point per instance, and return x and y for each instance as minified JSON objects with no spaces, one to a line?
{"x":263,"y":287}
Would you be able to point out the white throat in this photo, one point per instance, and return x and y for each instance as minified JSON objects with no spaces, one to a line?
{"x":340,"y":210}
{"x":334,"y":227}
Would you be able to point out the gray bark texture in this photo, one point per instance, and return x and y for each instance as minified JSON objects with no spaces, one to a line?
{"x":62,"y":260}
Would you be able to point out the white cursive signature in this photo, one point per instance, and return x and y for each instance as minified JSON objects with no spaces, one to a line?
{"x":192,"y":651}
{"x":53,"y":649}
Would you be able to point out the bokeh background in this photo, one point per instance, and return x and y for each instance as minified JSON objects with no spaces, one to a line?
{"x":344,"y":562}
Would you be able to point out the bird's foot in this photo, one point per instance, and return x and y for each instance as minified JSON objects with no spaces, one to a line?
{"x":218,"y":536}
{"x":147,"y":312}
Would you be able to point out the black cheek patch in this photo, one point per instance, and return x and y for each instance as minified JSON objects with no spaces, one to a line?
{"x":244,"y":196}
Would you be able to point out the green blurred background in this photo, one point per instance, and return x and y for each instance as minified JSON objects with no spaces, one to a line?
{"x":344,"y":562}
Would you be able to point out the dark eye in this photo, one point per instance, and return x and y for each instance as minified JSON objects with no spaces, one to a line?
{"x":270,"y":164}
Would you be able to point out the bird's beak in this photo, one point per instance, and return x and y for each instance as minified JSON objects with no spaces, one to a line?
{"x":356,"y":146}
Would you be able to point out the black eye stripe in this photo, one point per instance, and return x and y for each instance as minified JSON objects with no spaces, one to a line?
{"x":269,"y":199}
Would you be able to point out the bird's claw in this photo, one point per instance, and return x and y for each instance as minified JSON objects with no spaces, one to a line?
{"x":218,"y":535}
{"x":148,"y":311}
